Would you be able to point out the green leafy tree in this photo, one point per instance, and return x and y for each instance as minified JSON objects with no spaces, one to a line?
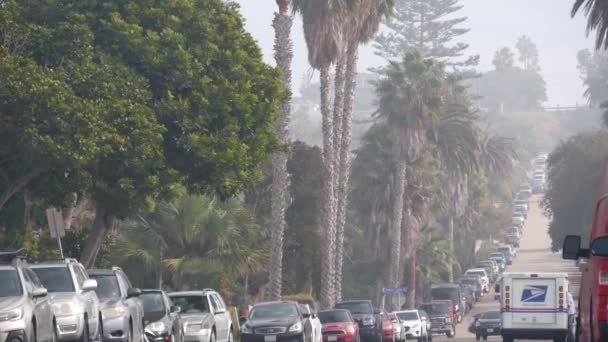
{"x":427,"y":26}
{"x":575,"y":171}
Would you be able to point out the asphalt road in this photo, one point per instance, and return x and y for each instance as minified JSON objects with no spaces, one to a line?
{"x":534,"y":255}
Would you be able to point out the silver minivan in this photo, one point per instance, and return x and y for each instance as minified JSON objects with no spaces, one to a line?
{"x":25,"y":311}
{"x":74,"y":302}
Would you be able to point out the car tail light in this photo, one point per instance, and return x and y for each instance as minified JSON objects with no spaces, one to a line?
{"x":603,"y":278}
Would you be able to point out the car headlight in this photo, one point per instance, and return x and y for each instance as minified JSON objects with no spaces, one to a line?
{"x":477,"y":324}
{"x":65,"y":308}
{"x":246,"y":330}
{"x":416,"y":326}
{"x":156,"y":327}
{"x":11,"y":315}
{"x":296,"y":328}
{"x":456,"y":307}
{"x":114,"y":312}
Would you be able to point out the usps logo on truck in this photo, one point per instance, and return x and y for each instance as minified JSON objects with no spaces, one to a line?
{"x":534,"y":294}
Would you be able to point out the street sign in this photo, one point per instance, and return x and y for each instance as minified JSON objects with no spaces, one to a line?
{"x":55,"y":221}
{"x":395,"y":289}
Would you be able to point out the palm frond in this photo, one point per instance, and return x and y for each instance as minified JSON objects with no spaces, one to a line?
{"x":596,"y":12}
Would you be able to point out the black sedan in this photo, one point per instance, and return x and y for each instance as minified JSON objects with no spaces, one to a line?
{"x":161,"y":319}
{"x":274,"y":322}
{"x":488,"y":324}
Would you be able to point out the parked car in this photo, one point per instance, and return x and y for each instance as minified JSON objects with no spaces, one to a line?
{"x":508,"y":250}
{"x":203,"y":313}
{"x":122,"y":313}
{"x":25,"y":311}
{"x":339,"y":325}
{"x":312,"y":327}
{"x":513,"y":239}
{"x":414,"y":324}
{"x":474,"y":319}
{"x":468,"y":292}
{"x":364,"y":314}
{"x":502,"y":264}
{"x":454,"y":293}
{"x":161,"y":318}
{"x":490,"y":268}
{"x":518,"y":218}
{"x":397,"y":327}
{"x":274,"y":321}
{"x":500,"y":258}
{"x":521,"y":209}
{"x":75,"y":303}
{"x":487,"y":324}
{"x":484,"y":277}
{"x":522,"y":202}
{"x":525,"y":191}
{"x":441,"y":318}
{"x":474,"y":284}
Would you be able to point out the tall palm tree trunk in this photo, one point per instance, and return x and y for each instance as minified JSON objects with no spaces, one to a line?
{"x":451,"y":237}
{"x":280,"y":179}
{"x":396,"y":221}
{"x":328,"y":267}
{"x":344,"y":159}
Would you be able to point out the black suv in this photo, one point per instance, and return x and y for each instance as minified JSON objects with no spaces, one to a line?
{"x":274,"y":321}
{"x":370,"y":325}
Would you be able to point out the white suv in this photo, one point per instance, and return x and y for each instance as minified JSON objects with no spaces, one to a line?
{"x":415,"y":327}
{"x":485,"y":281}
{"x":73,"y":299}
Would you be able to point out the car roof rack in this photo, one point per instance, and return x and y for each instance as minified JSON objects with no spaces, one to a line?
{"x":10,"y":257}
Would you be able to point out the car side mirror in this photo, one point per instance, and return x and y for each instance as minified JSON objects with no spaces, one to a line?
{"x":220,"y":311}
{"x":176,"y":309}
{"x":571,"y":250}
{"x":242,"y":320}
{"x":40,"y":292}
{"x":89,"y":285}
{"x":133,"y":292}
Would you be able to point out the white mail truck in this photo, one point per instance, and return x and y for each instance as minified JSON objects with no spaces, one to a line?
{"x":533,"y":306}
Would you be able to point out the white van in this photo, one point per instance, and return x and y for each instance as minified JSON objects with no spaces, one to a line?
{"x":533,"y":305}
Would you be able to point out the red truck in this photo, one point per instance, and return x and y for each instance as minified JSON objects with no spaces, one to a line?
{"x":592,"y":324}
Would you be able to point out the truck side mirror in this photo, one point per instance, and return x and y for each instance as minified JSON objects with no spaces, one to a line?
{"x":572,"y":247}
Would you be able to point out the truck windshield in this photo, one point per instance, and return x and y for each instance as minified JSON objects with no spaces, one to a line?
{"x":55,"y":279}
{"x":435,"y":309}
{"x":445,"y":293}
{"x":356,"y":307}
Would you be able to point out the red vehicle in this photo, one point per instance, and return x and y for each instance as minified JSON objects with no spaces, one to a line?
{"x":339,"y":325}
{"x":450,"y":304}
{"x":593,"y":298}
{"x":387,"y":328}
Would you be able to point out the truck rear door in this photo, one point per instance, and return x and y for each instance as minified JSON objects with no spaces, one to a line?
{"x":534,"y":301}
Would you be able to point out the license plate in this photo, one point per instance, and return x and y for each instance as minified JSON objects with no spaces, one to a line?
{"x":270,"y":338}
{"x":490,"y":330}
{"x":332,"y":338}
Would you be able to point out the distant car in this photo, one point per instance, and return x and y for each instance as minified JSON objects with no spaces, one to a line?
{"x":522,"y":202}
{"x":508,"y":249}
{"x":121,"y":311}
{"x":25,"y":311}
{"x":524,"y":192}
{"x":312,"y":325}
{"x":487,"y":324}
{"x":500,"y":257}
{"x":490,"y":267}
{"x":203,"y":313}
{"x":364,"y":314}
{"x":161,"y":318}
{"x":468,"y":292}
{"x":513,"y":239}
{"x":484,"y":277}
{"x":506,"y":255}
{"x":475,"y":284}
{"x":339,"y":325}
{"x":397,"y":328}
{"x":521,"y":209}
{"x":75,"y":304}
{"x":518,"y":219}
{"x":414,"y":324}
{"x":274,"y":321}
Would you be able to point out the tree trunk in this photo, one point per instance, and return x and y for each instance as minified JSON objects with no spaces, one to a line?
{"x":280,"y":179}
{"x":410,"y":278}
{"x":396,"y":221}
{"x":18,"y":185}
{"x":329,"y":211}
{"x":27,"y":211}
{"x":343,"y":160}
{"x":101,"y":226}
{"x":451,"y":237}
{"x":71,"y":213}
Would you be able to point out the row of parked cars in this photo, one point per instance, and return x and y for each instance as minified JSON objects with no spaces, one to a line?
{"x":62,"y":301}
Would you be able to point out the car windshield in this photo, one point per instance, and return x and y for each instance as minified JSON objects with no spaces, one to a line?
{"x":490,"y":315}
{"x":191,"y":304}
{"x":273,"y":311}
{"x":408,"y":316}
{"x":481,"y":273}
{"x":433,"y":309}
{"x":107,"y":286}
{"x":334,"y":316}
{"x":55,"y":279}
{"x":356,"y":307}
{"x":469,"y":282}
{"x":10,"y":284}
{"x":153,"y":302}
{"x":504,"y":249}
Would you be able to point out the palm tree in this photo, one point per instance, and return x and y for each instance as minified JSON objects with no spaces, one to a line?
{"x":362,"y":24}
{"x":280,"y":179}
{"x":597,"y":19}
{"x":323,"y":22}
{"x":410,"y":96}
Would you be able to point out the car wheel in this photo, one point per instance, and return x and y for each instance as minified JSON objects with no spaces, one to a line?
{"x":477,"y":337}
{"x":358,"y":339}
{"x":85,"y":331}
{"x":485,"y":338}
{"x":130,"y":332}
{"x":34,"y":332}
{"x":54,"y":331}
{"x":212,"y":336}
{"x":429,"y":337}
{"x":230,"y":335}
{"x":451,"y":333}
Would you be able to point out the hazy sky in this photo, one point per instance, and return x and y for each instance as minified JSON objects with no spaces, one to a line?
{"x":493,"y":24}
